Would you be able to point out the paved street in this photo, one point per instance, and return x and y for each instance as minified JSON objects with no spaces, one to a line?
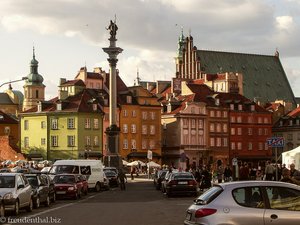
{"x":139,"y":204}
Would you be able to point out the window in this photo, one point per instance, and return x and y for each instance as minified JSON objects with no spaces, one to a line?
{"x":152,"y":129}
{"x":232,"y":131}
{"x":239,"y":145}
{"x":249,"y":131}
{"x":281,"y":198}
{"x":129,"y":99}
{"x":87,"y":123}
{"x":239,"y":130}
{"x":212,"y":127}
{"x":125,"y":144}
{"x":231,"y":106}
{"x":225,"y":114}
{"x":54,"y":124}
{"x":192,"y":110}
{"x":185,"y":123}
{"x":26,"y":125}
{"x":144,"y":129}
{"x":252,"y":108}
{"x":125,"y":114}
{"x":219,"y":142}
{"x":7,"y":130}
{"x":218,"y":113}
{"x":133,"y":144}
{"x":43,"y":141}
{"x":232,"y":119}
{"x":259,"y":131}
{"x":266,"y":120}
{"x":54,"y":141}
{"x":37,"y":93}
{"x":225,"y":142}
{"x":193,"y":123}
{"x":250,"y":119}
{"x":250,"y":146}
{"x":266,"y":146}
{"x":152,"y":115}
{"x":71,"y":140}
{"x":125,"y":128}
{"x":200,"y":124}
{"x":144,"y":115}
{"x":260,"y":146}
{"x":26,"y":142}
{"x":266,"y":131}
{"x":71,"y":123}
{"x":248,"y":197}
{"x":212,"y":142}
{"x":212,"y":113}
{"x":144,"y":144}
{"x":43,"y":124}
{"x":291,"y":123}
{"x":133,"y":128}
{"x":152,"y":144}
{"x":87,"y":140}
{"x":225,"y":127}
{"x":239,"y":119}
{"x":232,"y":145}
{"x":259,"y":120}
{"x":240,"y":107}
{"x":96,"y":123}
{"x":96,"y":140}
{"x":133,"y":113}
{"x":201,"y":140}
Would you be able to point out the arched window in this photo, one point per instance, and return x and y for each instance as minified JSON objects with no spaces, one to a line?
{"x":36,"y":93}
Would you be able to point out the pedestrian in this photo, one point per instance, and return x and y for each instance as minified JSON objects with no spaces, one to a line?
{"x":244,"y":172}
{"x":286,"y":177}
{"x":220,"y":172}
{"x":294,"y":173}
{"x":122,"y":179}
{"x":227,"y":173}
{"x":132,"y":171}
{"x":269,"y":171}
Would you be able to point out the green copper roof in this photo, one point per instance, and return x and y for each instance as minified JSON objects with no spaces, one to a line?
{"x":263,"y":76}
{"x":34,"y":78}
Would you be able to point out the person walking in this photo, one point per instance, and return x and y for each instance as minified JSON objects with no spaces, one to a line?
{"x":227,"y":173}
{"x":294,"y":173}
{"x":269,"y":171}
{"x":122,"y":179}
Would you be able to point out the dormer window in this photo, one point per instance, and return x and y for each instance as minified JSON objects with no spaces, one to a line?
{"x":58,"y":106}
{"x":252,"y":108}
{"x":129,"y":99}
{"x":95,"y":106}
{"x":240,"y":107}
{"x":280,"y":123}
{"x":291,"y":122}
{"x":231,"y":106}
{"x":39,"y":107}
{"x":217,"y":101}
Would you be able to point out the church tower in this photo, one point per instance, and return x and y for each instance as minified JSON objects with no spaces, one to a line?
{"x":34,"y":89}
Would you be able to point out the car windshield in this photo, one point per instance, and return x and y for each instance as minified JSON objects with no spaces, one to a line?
{"x":64,"y":169}
{"x":209,"y":195}
{"x":33,"y":181}
{"x":64,"y":179}
{"x":7,"y":181}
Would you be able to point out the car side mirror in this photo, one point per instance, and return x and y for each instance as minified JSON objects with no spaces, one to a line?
{"x":21,"y":186}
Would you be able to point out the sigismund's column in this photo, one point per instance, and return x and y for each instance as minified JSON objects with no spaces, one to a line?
{"x":112,"y":132}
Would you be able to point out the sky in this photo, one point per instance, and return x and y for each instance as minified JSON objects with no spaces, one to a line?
{"x":70,"y":34}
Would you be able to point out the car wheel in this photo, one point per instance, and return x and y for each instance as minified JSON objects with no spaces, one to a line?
{"x":16,"y":208}
{"x":37,"y":202}
{"x":98,"y":187}
{"x":29,"y":208}
{"x":2,"y":210}
{"x":47,"y":202}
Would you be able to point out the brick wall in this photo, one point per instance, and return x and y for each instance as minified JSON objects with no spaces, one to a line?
{"x":7,"y":152}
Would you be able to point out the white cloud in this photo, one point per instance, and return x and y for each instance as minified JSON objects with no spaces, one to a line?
{"x":284,"y":22}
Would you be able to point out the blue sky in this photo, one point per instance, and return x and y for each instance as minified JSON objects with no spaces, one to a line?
{"x":69,"y":34}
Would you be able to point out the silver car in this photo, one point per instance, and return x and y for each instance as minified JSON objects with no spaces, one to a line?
{"x":15,"y":192}
{"x":247,"y":203}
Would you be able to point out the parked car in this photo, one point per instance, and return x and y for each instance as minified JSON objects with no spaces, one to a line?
{"x":247,"y":203}
{"x":42,"y":193}
{"x":5,"y":170}
{"x":158,"y":178}
{"x":106,"y":183}
{"x":16,"y":192}
{"x":67,"y":185}
{"x":112,"y":177}
{"x":182,"y":183}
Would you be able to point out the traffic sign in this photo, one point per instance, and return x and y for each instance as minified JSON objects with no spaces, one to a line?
{"x":234,"y":161}
{"x":275,"y":142}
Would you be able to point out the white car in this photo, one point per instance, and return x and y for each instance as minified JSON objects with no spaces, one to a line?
{"x":16,"y":192}
{"x":247,"y":203}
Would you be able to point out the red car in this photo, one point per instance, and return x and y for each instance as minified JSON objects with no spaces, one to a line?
{"x":67,"y":185}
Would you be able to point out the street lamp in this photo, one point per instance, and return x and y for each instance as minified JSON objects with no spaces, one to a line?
{"x":13,"y":81}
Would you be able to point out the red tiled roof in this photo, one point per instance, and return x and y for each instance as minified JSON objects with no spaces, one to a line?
{"x":295,"y":112}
